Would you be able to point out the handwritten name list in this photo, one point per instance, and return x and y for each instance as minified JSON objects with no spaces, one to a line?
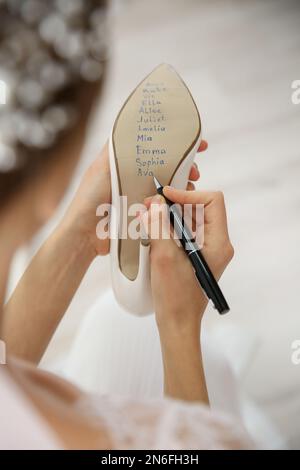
{"x":151,"y":125}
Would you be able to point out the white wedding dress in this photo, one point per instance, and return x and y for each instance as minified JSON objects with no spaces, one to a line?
{"x":115,"y":353}
{"x":138,"y":424}
{"x":164,"y":424}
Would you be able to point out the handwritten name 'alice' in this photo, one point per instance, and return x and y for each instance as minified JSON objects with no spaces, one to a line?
{"x":149,"y":110}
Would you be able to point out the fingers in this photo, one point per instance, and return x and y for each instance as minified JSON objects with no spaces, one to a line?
{"x":148,"y":200}
{"x":190,"y":186}
{"x":216,"y":244}
{"x":215,"y":218}
{"x":194,"y":172}
{"x":203,"y":146}
{"x":181,"y":196}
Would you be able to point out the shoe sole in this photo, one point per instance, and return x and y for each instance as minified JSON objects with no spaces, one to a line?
{"x":154,"y":131}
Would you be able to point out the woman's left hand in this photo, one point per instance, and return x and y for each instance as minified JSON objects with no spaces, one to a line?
{"x":94,"y":190}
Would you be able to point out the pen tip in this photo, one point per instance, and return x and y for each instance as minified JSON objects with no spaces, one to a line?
{"x":157,"y":183}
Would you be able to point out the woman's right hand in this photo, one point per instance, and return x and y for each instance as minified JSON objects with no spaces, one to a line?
{"x":178,"y":299}
{"x":179,"y":302}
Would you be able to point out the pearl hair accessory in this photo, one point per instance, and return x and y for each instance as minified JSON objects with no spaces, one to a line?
{"x":46,"y":46}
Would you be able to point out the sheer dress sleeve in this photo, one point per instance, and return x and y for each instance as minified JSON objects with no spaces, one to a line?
{"x":164,"y":424}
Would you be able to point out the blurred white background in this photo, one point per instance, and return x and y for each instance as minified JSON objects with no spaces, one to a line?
{"x":239,"y":59}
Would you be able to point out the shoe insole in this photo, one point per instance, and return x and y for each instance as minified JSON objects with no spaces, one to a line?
{"x":155,"y":129}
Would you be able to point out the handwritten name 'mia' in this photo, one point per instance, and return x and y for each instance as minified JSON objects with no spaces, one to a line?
{"x":296,"y":93}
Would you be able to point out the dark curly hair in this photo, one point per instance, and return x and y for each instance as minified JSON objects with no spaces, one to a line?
{"x":53,"y":56}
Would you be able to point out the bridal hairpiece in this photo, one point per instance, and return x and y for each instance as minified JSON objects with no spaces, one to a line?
{"x":46,"y":46}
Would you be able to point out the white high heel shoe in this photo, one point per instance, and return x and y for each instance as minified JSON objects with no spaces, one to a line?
{"x":157,"y":132}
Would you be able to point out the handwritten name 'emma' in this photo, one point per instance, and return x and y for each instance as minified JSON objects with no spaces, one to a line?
{"x":155,"y":151}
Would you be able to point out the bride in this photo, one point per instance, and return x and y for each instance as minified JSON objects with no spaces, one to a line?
{"x":54,"y":83}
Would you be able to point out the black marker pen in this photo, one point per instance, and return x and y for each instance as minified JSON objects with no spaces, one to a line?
{"x":202,"y":270}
